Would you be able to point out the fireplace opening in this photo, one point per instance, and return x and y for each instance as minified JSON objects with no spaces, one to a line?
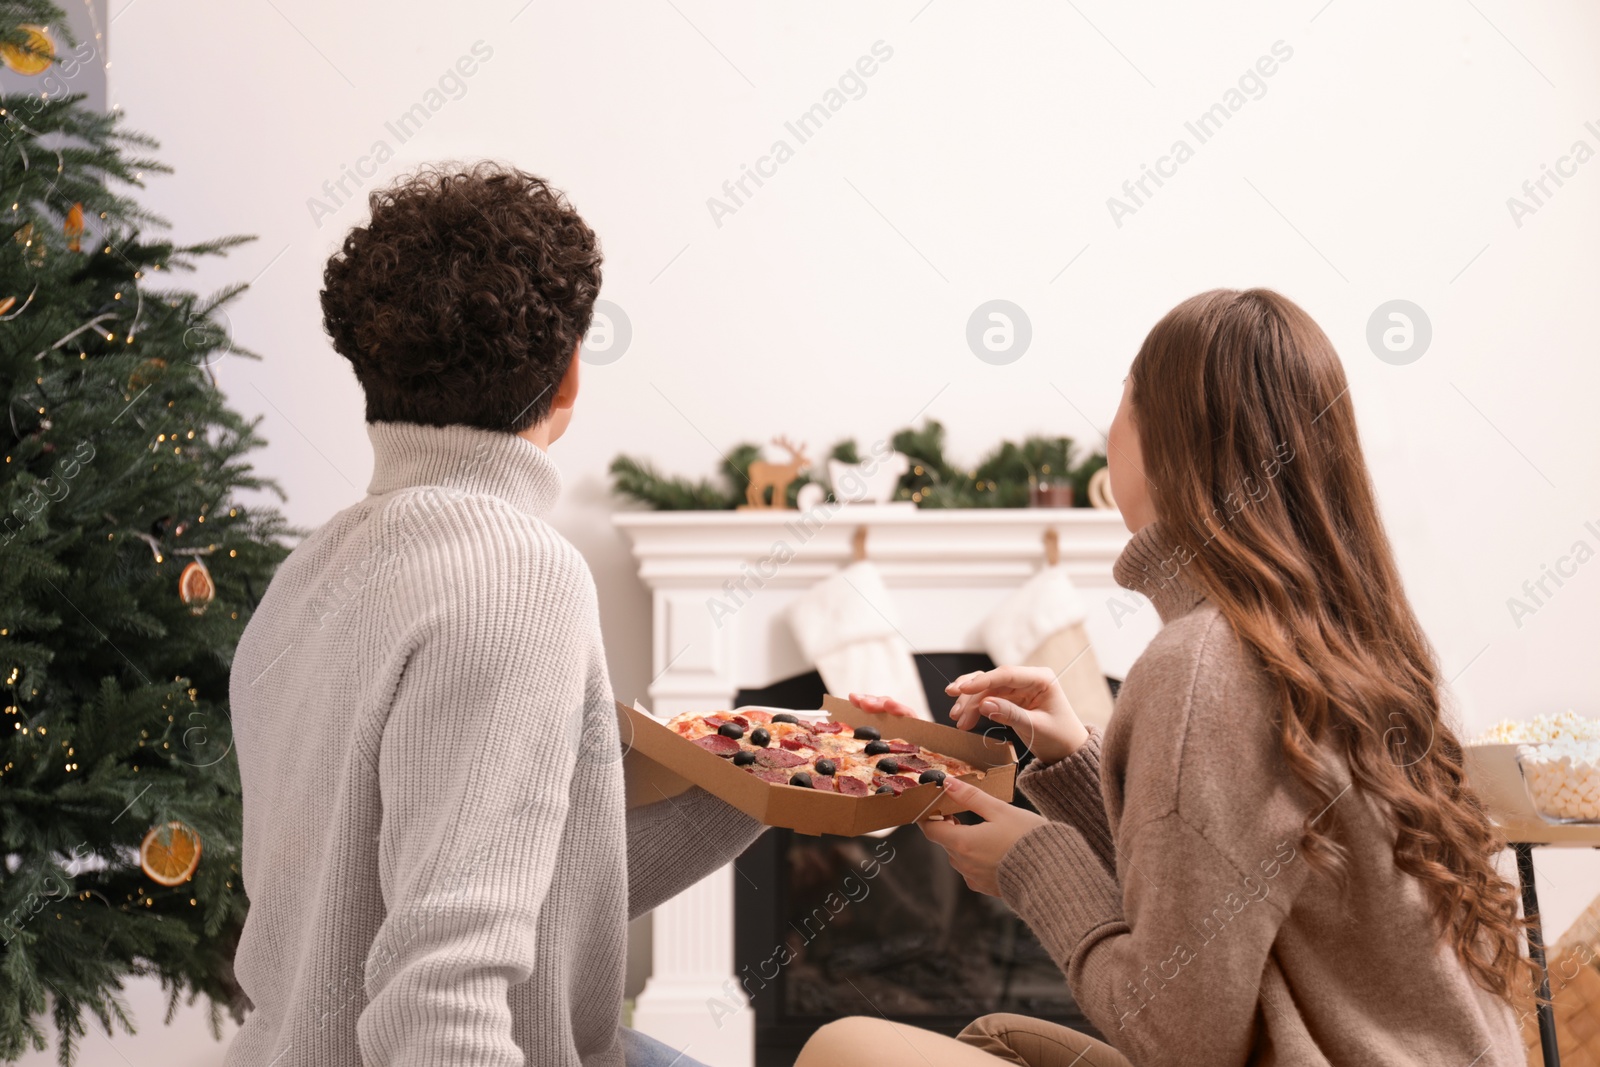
{"x":833,"y":926}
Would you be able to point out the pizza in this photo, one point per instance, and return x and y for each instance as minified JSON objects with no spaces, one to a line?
{"x":816,"y":754}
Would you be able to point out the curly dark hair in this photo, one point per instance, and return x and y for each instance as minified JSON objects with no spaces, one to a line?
{"x":462,"y":301}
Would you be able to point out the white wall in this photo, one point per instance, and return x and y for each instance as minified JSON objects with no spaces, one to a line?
{"x":977,"y":165}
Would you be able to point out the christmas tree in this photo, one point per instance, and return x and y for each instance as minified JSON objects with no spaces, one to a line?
{"x":129,"y":563}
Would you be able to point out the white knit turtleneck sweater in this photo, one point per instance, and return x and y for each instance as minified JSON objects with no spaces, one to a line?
{"x":438,"y":861}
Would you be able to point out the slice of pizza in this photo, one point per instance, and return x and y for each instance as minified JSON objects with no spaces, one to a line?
{"x":816,"y":753}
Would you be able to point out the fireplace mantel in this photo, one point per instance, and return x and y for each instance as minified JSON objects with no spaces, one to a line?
{"x":721,"y":583}
{"x":956,"y":546}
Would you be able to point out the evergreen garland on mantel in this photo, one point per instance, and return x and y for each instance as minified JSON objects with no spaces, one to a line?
{"x":1001,"y":480}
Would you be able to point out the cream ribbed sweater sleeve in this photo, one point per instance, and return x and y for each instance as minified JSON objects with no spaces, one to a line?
{"x":475,"y":763}
{"x":675,"y":843}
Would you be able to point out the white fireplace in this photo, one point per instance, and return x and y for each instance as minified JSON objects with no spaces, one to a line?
{"x":721,"y":582}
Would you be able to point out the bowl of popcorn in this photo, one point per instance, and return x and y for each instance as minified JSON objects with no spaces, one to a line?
{"x":1559,"y":757}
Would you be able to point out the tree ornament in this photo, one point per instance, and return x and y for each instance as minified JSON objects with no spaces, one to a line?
{"x":196,"y":587}
{"x":73,"y":228}
{"x":145,"y":374}
{"x":170,"y":853}
{"x":35,"y":57}
{"x":763,"y":475}
{"x":33,"y":250}
{"x":6,"y":314}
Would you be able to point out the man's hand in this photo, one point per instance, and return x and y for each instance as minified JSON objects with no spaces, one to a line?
{"x":1027,"y":699}
{"x":976,"y":851}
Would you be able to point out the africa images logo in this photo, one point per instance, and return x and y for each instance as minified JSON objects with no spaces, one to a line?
{"x":1251,"y":85}
{"x":353,"y":177}
{"x":851,"y":85}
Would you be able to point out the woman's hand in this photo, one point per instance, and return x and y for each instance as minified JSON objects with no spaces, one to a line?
{"x":1027,"y":699}
{"x":886,"y":705}
{"x":976,"y":851}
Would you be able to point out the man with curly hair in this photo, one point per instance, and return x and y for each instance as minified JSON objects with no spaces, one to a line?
{"x":438,"y":858}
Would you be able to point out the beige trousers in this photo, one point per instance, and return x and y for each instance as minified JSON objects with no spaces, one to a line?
{"x":988,"y":1042}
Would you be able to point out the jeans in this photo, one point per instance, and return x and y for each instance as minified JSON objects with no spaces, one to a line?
{"x":640,"y":1050}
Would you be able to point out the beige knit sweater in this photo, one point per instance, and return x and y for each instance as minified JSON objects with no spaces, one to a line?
{"x":439,"y":865}
{"x":1171,"y":889}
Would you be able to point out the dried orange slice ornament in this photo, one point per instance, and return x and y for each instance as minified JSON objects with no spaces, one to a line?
{"x":170,"y":853}
{"x":145,"y":373}
{"x":72,"y":226}
{"x":24,"y":61}
{"x":196,"y":587}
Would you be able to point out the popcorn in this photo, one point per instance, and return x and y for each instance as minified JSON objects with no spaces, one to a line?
{"x":1567,"y":726}
{"x":1560,"y":759}
{"x":1563,"y":778}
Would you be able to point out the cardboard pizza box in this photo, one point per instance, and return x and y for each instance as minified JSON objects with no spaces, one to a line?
{"x":659,"y":764}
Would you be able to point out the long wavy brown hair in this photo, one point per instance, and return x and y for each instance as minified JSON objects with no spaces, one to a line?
{"x":1254,"y":463}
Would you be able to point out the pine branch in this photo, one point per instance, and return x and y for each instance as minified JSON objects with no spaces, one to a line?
{"x":219,"y":246}
{"x":641,"y":481}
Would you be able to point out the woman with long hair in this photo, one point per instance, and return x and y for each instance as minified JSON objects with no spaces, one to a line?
{"x":1271,"y":856}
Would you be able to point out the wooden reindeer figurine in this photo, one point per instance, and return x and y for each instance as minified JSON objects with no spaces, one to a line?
{"x":775,"y":476}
